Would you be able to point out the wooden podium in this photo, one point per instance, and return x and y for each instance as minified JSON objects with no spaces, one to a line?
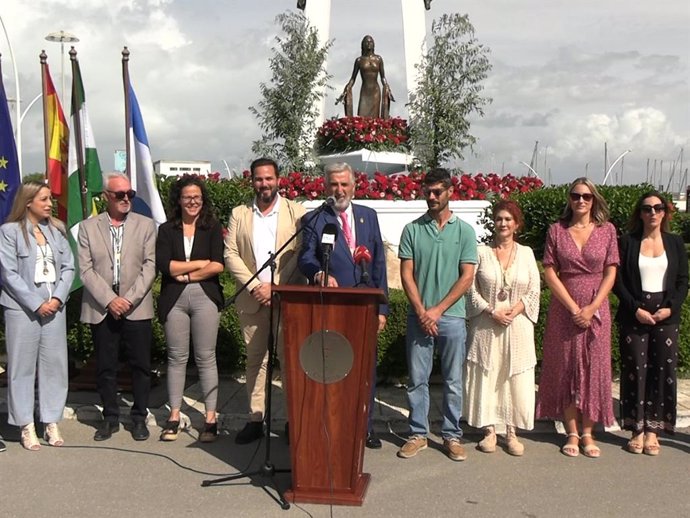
{"x":330,"y":347}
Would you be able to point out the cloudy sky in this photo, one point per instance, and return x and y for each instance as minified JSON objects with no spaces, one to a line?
{"x":571,"y":75}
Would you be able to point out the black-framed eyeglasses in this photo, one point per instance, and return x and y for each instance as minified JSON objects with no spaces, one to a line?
{"x":120,"y":195}
{"x":191,"y":199}
{"x":659,"y":207}
{"x":435,"y":192}
{"x":577,"y":196}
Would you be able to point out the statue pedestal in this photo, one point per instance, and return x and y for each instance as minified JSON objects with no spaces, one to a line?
{"x":369,"y":162}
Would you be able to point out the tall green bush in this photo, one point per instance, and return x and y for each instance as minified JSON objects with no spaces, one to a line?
{"x":542,"y":207}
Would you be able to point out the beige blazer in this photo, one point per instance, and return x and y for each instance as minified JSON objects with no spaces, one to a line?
{"x":239,"y":251}
{"x":138,"y":267}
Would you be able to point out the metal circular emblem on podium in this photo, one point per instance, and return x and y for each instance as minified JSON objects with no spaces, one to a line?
{"x":326,"y":356}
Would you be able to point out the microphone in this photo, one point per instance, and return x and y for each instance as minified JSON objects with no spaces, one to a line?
{"x":328,"y":237}
{"x":329,"y":202}
{"x":362,"y":257}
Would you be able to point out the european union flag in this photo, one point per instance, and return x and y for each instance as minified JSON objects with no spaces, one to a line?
{"x":9,"y":165}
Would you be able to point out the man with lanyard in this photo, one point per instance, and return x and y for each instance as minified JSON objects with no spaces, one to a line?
{"x":117,"y":267}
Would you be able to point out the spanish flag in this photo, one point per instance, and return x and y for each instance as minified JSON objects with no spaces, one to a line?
{"x":56,"y":143}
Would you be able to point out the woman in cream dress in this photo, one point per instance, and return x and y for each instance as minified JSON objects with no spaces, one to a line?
{"x":503,"y":306}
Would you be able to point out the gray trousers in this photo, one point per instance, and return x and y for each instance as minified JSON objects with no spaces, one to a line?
{"x":35,"y":346}
{"x":195,"y":315}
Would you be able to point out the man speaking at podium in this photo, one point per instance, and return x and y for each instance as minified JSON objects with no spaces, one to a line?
{"x":355,"y":229}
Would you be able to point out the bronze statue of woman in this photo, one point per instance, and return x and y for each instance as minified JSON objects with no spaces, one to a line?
{"x":369,"y":66}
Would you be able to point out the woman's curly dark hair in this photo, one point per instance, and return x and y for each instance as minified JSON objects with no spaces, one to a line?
{"x":206,"y":217}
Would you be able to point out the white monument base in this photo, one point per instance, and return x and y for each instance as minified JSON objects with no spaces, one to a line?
{"x":369,"y":162}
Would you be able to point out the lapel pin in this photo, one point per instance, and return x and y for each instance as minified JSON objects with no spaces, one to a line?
{"x":361,"y":220}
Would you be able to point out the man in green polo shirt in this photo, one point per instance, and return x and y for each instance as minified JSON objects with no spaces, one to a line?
{"x":438,"y":254}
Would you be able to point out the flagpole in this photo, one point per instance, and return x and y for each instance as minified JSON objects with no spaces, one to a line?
{"x":128,"y":111}
{"x":46,"y":133}
{"x":78,"y":142}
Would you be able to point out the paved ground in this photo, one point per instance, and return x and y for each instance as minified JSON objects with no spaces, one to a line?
{"x":123,"y":477}
{"x":126,"y":478}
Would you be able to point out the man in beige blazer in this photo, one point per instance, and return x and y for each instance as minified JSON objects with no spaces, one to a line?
{"x":117,"y":266}
{"x":256,"y":229}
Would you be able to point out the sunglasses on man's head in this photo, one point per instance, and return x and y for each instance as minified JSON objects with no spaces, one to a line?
{"x":576,"y":196}
{"x":120,"y":195}
{"x":659,"y":207}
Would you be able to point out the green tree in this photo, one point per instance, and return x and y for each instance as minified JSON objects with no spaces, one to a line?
{"x":34,"y":177}
{"x":449,"y":91}
{"x":287,"y":110}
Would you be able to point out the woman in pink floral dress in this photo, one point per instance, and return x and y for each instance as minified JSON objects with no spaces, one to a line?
{"x":580,"y":261}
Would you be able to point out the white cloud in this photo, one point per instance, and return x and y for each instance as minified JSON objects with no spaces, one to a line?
{"x":615,"y":71}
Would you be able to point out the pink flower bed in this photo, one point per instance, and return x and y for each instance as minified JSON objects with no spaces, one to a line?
{"x":408,"y":187}
{"x":354,"y":133}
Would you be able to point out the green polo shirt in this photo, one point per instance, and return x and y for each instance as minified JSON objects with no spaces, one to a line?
{"x":437,"y":257}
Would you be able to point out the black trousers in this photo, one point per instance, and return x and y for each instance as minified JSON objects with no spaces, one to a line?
{"x":649,"y":359}
{"x":135,"y":336}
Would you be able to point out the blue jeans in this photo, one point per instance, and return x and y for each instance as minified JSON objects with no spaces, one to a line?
{"x":420,"y":358}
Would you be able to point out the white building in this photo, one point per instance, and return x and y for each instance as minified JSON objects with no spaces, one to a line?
{"x":180,"y":167}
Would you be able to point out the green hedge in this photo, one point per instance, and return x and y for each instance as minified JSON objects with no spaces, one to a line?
{"x":391,"y":346}
{"x":541,"y":208}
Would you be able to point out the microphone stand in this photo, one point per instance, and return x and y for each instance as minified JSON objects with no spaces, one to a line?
{"x":268,"y":469}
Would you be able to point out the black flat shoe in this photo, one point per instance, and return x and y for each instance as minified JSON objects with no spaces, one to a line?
{"x":210,"y":433}
{"x":106,"y":430}
{"x":373,"y":442}
{"x":250,"y":433}
{"x":139,"y":431}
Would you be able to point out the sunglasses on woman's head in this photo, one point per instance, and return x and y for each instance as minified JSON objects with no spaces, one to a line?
{"x":659,"y":207}
{"x":120,"y":195}
{"x":576,"y":196}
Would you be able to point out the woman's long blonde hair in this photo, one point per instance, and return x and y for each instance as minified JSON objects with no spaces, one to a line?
{"x":600,"y":209}
{"x":26,"y":193}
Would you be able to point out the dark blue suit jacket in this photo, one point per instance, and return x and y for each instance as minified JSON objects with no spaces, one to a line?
{"x":343,"y":267}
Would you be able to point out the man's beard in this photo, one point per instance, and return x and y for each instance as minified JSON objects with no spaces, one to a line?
{"x":342,"y":203}
{"x":268,"y":196}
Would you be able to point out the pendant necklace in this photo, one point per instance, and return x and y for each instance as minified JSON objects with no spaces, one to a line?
{"x":44,"y":251}
{"x":505,"y":288}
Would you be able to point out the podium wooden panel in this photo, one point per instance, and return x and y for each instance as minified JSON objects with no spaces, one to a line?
{"x":328,"y":421}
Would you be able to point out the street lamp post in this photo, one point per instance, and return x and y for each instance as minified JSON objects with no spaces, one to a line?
{"x":17,"y":132}
{"x":62,"y":37}
{"x":530,"y":168}
{"x":606,"y":176}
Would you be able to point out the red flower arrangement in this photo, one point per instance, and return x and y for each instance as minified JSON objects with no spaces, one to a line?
{"x":354,"y":133}
{"x":409,"y":186}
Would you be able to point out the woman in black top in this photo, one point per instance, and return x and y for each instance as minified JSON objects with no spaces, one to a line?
{"x":651,"y":284}
{"x":189,"y":255}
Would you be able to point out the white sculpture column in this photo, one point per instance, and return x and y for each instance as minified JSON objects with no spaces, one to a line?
{"x":318,"y":13}
{"x":414,"y":34}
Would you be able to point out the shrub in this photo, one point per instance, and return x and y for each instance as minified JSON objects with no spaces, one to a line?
{"x":680,"y":224}
{"x":542,"y":207}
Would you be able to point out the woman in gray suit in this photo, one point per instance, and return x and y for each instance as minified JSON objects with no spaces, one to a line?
{"x":37,"y":269}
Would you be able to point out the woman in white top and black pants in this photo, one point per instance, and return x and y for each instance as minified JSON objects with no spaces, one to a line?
{"x":651,"y":284}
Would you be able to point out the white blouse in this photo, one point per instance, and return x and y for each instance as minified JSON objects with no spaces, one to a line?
{"x":653,"y":272}
{"x":45,"y":265}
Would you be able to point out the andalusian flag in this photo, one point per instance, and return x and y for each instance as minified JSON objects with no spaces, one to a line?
{"x":85,"y":180}
{"x":57,"y":142}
